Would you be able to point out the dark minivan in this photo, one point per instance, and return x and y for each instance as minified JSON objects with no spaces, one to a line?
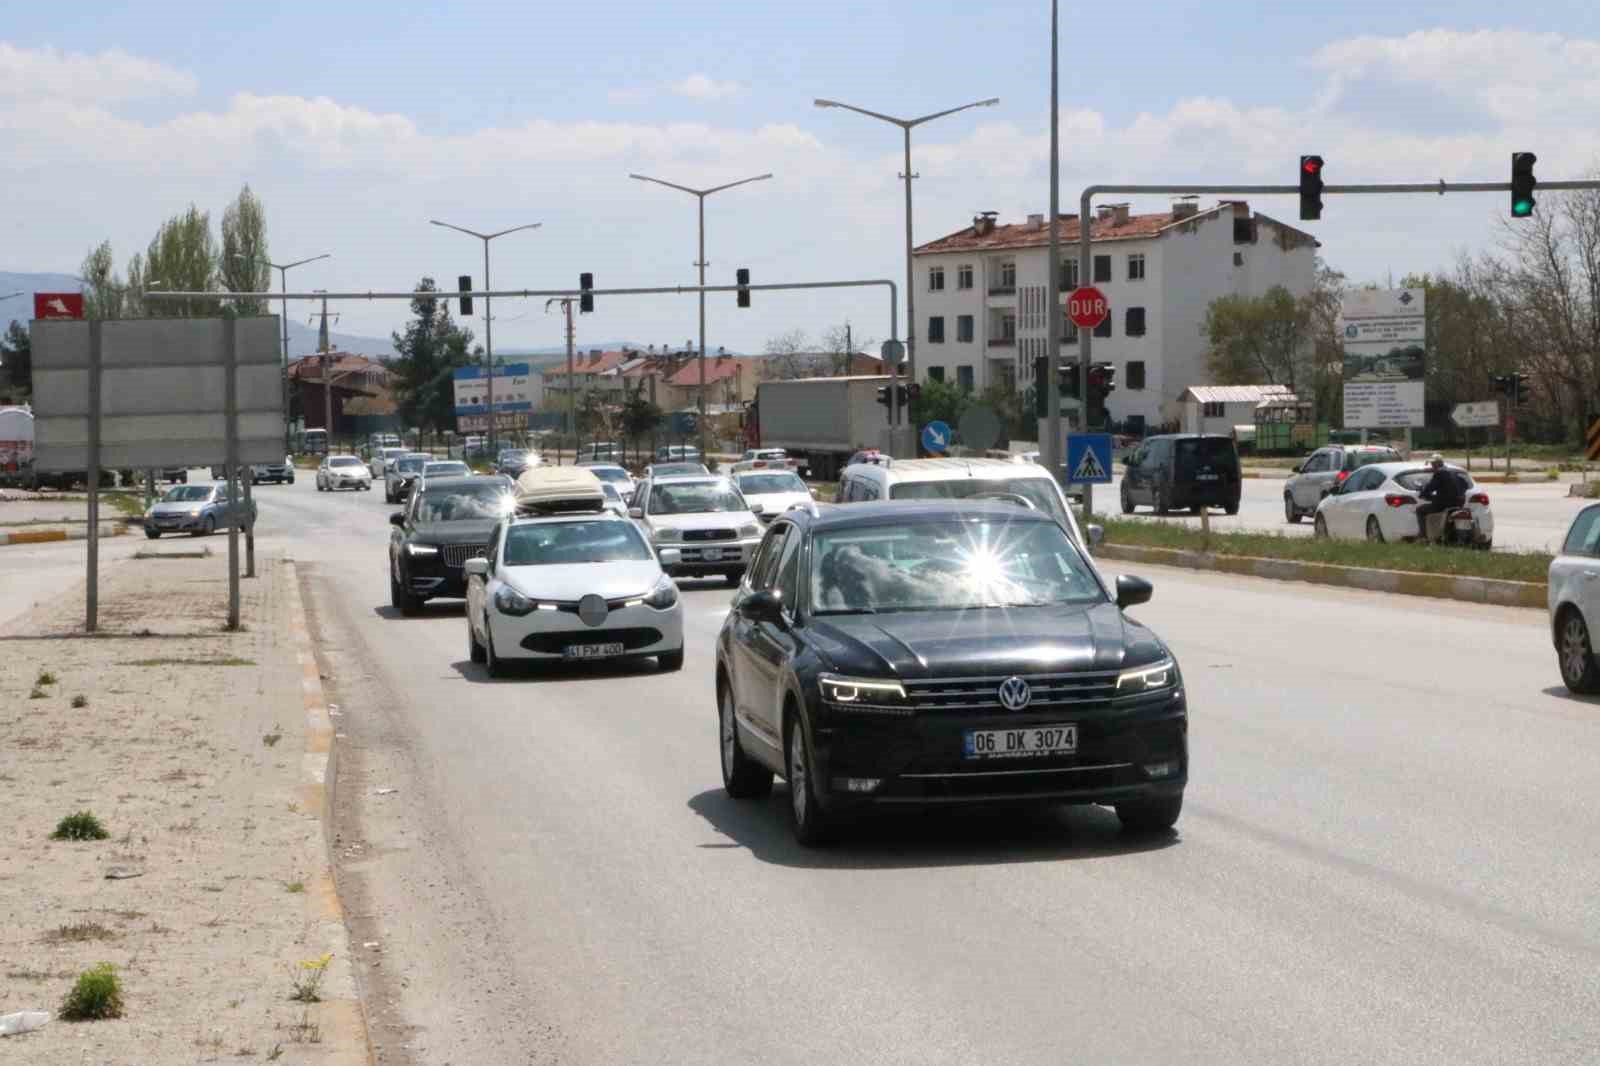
{"x":1182,"y":470}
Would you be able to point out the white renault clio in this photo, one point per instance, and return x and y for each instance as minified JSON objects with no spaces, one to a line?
{"x":567,"y":579}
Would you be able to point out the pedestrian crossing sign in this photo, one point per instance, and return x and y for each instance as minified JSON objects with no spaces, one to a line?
{"x":1089,"y":458}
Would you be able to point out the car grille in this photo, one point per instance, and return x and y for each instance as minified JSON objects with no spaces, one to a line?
{"x":631,"y":639}
{"x":710,"y":534}
{"x":983,"y":693}
{"x":457,"y":554}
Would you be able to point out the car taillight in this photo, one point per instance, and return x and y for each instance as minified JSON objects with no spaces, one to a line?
{"x":1342,"y":475}
{"x":1397,"y":499}
{"x":1479,"y":498}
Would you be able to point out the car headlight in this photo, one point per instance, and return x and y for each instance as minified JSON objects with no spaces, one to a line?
{"x":664,"y":595}
{"x":664,"y":533}
{"x":421,"y":549}
{"x":848,"y":692}
{"x":1163,"y":674}
{"x":194,"y":512}
{"x":750,"y":529}
{"x":508,"y":600}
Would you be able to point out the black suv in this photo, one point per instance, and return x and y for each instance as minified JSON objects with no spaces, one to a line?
{"x":894,"y":655}
{"x":1187,"y":470}
{"x":443,"y":526}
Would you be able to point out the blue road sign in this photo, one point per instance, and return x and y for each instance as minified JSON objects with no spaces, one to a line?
{"x":935,"y":437}
{"x":1089,"y":458}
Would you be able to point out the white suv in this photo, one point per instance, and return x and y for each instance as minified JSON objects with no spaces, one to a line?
{"x":960,"y":479}
{"x":705,"y":519}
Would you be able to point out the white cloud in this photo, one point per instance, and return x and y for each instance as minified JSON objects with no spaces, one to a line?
{"x":108,"y":77}
{"x":702,"y":87}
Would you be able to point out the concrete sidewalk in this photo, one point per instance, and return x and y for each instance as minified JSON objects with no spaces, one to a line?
{"x":195,"y":748}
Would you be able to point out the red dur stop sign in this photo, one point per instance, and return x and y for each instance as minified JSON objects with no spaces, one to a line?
{"x":1087,"y":307}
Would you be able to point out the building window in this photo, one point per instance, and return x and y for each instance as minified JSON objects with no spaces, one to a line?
{"x":936,"y":279}
{"x":1104,"y":328}
{"x":964,"y":377}
{"x":1214,"y":410}
{"x":936,"y":329}
{"x":1069,"y":331}
{"x":964,"y":276}
{"x":964,"y":329}
{"x":1244,"y":231}
{"x":1135,"y":375}
{"x":1238,"y":259}
{"x":1006,"y":279}
{"x":1102,"y":268}
{"x":1136,"y":267}
{"x":936,"y":373}
{"x":1133,"y":325}
{"x":1069,"y":275}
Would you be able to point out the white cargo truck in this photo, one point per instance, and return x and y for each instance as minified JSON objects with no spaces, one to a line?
{"x":822,"y":421}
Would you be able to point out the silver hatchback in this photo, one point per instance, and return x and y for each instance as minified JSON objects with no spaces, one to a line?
{"x":1324,"y":470}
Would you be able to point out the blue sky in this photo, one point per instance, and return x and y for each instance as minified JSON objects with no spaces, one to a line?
{"x":358,"y":122}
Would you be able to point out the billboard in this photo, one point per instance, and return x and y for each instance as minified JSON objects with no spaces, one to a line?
{"x":1385,"y":358}
{"x":162,"y":385}
{"x":514,"y":390}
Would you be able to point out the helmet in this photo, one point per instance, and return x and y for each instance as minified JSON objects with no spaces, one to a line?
{"x":1435,"y":459}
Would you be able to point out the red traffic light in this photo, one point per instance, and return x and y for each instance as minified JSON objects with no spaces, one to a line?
{"x":1312,"y":165}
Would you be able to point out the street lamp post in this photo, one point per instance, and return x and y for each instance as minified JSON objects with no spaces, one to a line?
{"x":907,"y":125}
{"x":283,"y":277}
{"x":700,"y":195}
{"x":488,"y":319}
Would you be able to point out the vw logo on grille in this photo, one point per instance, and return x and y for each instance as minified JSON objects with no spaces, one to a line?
{"x":592,"y":609}
{"x":1014,"y":694}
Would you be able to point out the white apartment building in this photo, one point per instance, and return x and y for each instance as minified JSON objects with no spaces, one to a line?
{"x":981,"y":295}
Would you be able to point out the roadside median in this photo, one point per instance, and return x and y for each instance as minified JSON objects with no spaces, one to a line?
{"x":1511,"y":579}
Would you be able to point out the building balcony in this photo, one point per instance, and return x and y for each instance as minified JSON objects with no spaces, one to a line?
{"x":1002,"y":342}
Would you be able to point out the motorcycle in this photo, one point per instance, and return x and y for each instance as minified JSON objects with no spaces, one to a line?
{"x":1457,"y":527}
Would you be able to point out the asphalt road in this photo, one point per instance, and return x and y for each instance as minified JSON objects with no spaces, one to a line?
{"x":1385,"y":857}
{"x":1527,"y":517}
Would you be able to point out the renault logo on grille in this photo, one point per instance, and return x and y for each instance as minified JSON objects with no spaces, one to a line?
{"x":1014,"y":694}
{"x":592,"y":609}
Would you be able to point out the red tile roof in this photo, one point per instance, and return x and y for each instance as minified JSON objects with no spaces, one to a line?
{"x":718,"y":368}
{"x":1022,"y":235}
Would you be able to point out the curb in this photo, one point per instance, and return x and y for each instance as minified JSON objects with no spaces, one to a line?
{"x":1439,"y":586}
{"x":47,"y":536}
{"x":344,"y":1016}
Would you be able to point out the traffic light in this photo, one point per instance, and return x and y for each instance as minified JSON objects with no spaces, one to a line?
{"x":883,"y":395}
{"x":909,"y":394}
{"x":464,"y":284}
{"x":1102,"y":383}
{"x":1519,"y":389}
{"x":1068,"y":378}
{"x":742,"y":276}
{"x":1522,"y":184}
{"x":585,"y":292}
{"x":1310,"y":187}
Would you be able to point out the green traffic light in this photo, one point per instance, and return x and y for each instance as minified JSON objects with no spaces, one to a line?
{"x":1522,"y":208}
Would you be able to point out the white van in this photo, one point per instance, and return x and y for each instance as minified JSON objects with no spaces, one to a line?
{"x":959,"y":479}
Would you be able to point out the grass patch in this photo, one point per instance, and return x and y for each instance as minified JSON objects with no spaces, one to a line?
{"x":295,"y":887}
{"x":226,"y":661}
{"x":80,"y":826}
{"x":306,"y":979}
{"x":80,"y":702}
{"x":271,"y":739}
{"x":45,"y":678}
{"x":128,"y":503}
{"x":38,"y":694}
{"x":1409,"y":558}
{"x":79,"y":932}
{"x":96,"y":995}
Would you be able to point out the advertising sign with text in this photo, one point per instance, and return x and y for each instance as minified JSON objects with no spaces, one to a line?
{"x":1385,"y":337}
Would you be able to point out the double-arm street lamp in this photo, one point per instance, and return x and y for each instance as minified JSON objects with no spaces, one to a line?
{"x":488,"y":319}
{"x":700,"y":195}
{"x":907,"y":125}
{"x":283,"y":277}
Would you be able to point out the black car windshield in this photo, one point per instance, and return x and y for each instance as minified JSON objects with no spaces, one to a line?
{"x":589,"y":541}
{"x":465,"y":503}
{"x":345,"y":460}
{"x":409,"y":465}
{"x":949,"y":564}
{"x":1196,"y":453}
{"x":1038,"y":491}
{"x":1355,"y":460}
{"x":695,"y":497}
{"x":445,"y":469}
{"x":1417,"y":480}
{"x":760,"y":484}
{"x":187,"y":494}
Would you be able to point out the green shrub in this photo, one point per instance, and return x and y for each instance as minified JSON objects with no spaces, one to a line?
{"x":96,"y":995}
{"x":80,"y":826}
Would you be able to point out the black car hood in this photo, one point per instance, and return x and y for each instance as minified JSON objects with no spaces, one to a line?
{"x":474,"y":532}
{"x":981,"y":643}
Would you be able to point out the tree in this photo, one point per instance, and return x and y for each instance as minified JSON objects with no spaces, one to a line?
{"x":183,"y":257}
{"x":1257,"y":339}
{"x":103,"y":290}
{"x":430,"y":350}
{"x":788,"y":356}
{"x":941,"y":401}
{"x":840,"y":345}
{"x":243,"y":266}
{"x":16,"y":355}
{"x":640,"y":417}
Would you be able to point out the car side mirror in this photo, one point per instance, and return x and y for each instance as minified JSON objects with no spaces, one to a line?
{"x":757,"y":507}
{"x":475,"y":567}
{"x":1132,"y":591}
{"x":1097,"y":535}
{"x":765,"y":605}
{"x":670,"y":556}
{"x":1298,"y":468}
{"x":398,"y":518}
{"x":636,"y":512}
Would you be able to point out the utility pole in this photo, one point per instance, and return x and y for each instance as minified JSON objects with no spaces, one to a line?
{"x":283,"y":276}
{"x":1052,"y":449}
{"x":572,"y":418}
{"x":327,"y":376}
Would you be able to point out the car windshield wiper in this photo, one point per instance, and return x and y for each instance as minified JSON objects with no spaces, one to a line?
{"x":849,"y":610}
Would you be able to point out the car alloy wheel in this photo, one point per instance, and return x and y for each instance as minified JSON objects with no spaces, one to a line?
{"x":1290,"y":513}
{"x":806,"y":817}
{"x":1374,"y":530}
{"x":1127,"y":500}
{"x":742,"y":776}
{"x":497,"y":667}
{"x":475,"y":651}
{"x":1319,"y":528}
{"x":1578,"y":669}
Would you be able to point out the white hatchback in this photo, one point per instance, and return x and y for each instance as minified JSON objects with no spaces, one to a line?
{"x":1574,"y":590}
{"x":1379,"y":503}
{"x":571,"y":587}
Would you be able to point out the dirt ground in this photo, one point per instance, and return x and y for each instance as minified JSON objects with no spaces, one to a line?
{"x":188,"y":746}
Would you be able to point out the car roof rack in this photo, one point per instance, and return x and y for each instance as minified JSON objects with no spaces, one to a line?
{"x":547,"y":490}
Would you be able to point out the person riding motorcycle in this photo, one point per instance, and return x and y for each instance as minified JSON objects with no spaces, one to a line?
{"x":1443,"y":494}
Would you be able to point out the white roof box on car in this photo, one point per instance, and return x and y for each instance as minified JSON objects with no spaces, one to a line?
{"x":554,"y":489}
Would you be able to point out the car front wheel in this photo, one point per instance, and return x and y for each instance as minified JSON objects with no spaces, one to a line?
{"x":742,"y":776}
{"x":806,"y":816}
{"x":672,"y":660}
{"x":1578,"y":670}
{"x":1319,"y":528}
{"x":495,"y":664}
{"x":1127,"y":500}
{"x":475,"y":650}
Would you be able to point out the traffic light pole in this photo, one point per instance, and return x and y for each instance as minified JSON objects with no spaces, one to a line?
{"x":1085,"y":258}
